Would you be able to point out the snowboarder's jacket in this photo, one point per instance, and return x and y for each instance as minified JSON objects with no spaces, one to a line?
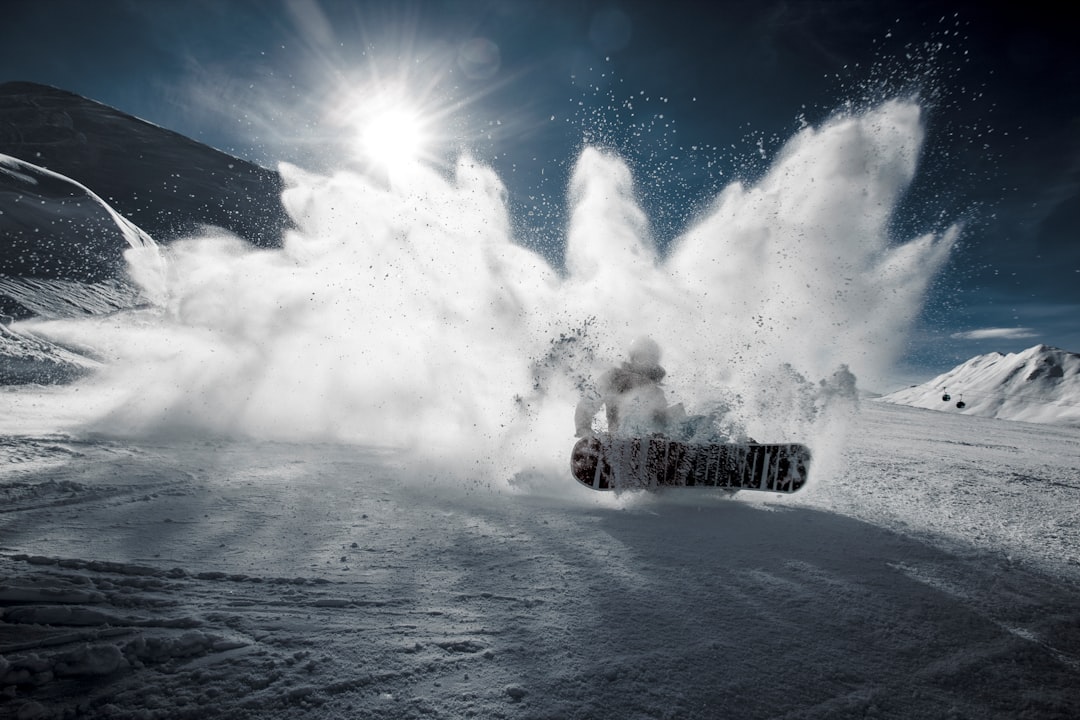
{"x":634,"y":401}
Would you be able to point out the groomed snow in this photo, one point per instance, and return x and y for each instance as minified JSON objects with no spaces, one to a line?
{"x":932,"y":574}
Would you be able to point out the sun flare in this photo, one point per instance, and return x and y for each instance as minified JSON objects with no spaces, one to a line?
{"x":393,"y":137}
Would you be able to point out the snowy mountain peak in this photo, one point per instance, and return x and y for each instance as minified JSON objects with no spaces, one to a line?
{"x":1040,"y":384}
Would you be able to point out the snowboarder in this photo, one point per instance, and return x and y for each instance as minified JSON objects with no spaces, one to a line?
{"x":631,"y":393}
{"x":650,"y":445}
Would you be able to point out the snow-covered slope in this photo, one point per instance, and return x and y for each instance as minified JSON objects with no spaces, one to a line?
{"x":934,"y":576}
{"x":1040,"y":384}
{"x":165,"y":183}
{"x":61,"y":255}
{"x":26,"y":359}
{"x":54,"y":227}
{"x":54,"y":299}
{"x":80,"y":185}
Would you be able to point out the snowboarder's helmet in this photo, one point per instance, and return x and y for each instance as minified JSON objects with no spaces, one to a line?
{"x":644,"y":352}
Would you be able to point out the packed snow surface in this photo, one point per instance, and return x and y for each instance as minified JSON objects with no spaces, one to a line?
{"x":932,"y":574}
{"x":1040,"y":384}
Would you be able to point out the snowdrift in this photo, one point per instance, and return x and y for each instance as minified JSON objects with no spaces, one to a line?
{"x":1039,"y":385}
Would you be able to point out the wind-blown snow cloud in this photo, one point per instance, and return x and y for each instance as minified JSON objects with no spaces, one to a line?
{"x":407,"y":315}
{"x":995,"y":334}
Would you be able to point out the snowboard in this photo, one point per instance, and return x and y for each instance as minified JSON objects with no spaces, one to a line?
{"x":609,"y":463}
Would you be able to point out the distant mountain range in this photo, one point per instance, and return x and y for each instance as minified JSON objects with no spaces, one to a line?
{"x":1040,"y":385}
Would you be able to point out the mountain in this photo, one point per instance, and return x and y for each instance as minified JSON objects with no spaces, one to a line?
{"x":55,"y":229}
{"x":80,"y":185}
{"x":63,"y":256}
{"x":1040,"y":384}
{"x":165,"y":183}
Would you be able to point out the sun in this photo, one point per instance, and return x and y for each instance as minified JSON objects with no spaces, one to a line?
{"x":389,"y":125}
{"x":393,"y":137}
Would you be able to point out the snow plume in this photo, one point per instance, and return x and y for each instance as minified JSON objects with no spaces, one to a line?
{"x":405,"y":314}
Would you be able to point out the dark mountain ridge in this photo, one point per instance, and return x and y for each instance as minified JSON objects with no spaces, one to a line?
{"x":81,"y":184}
{"x":53,"y":228}
{"x":162,"y":181}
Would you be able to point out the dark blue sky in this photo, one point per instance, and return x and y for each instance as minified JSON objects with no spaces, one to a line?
{"x":522,"y":84}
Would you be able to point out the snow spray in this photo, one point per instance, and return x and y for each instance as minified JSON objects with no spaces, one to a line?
{"x":404,"y":314}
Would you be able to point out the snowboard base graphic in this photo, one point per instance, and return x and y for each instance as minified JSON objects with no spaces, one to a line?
{"x":610,"y":463}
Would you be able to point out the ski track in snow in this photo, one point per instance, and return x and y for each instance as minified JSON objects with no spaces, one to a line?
{"x":934,"y":575}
